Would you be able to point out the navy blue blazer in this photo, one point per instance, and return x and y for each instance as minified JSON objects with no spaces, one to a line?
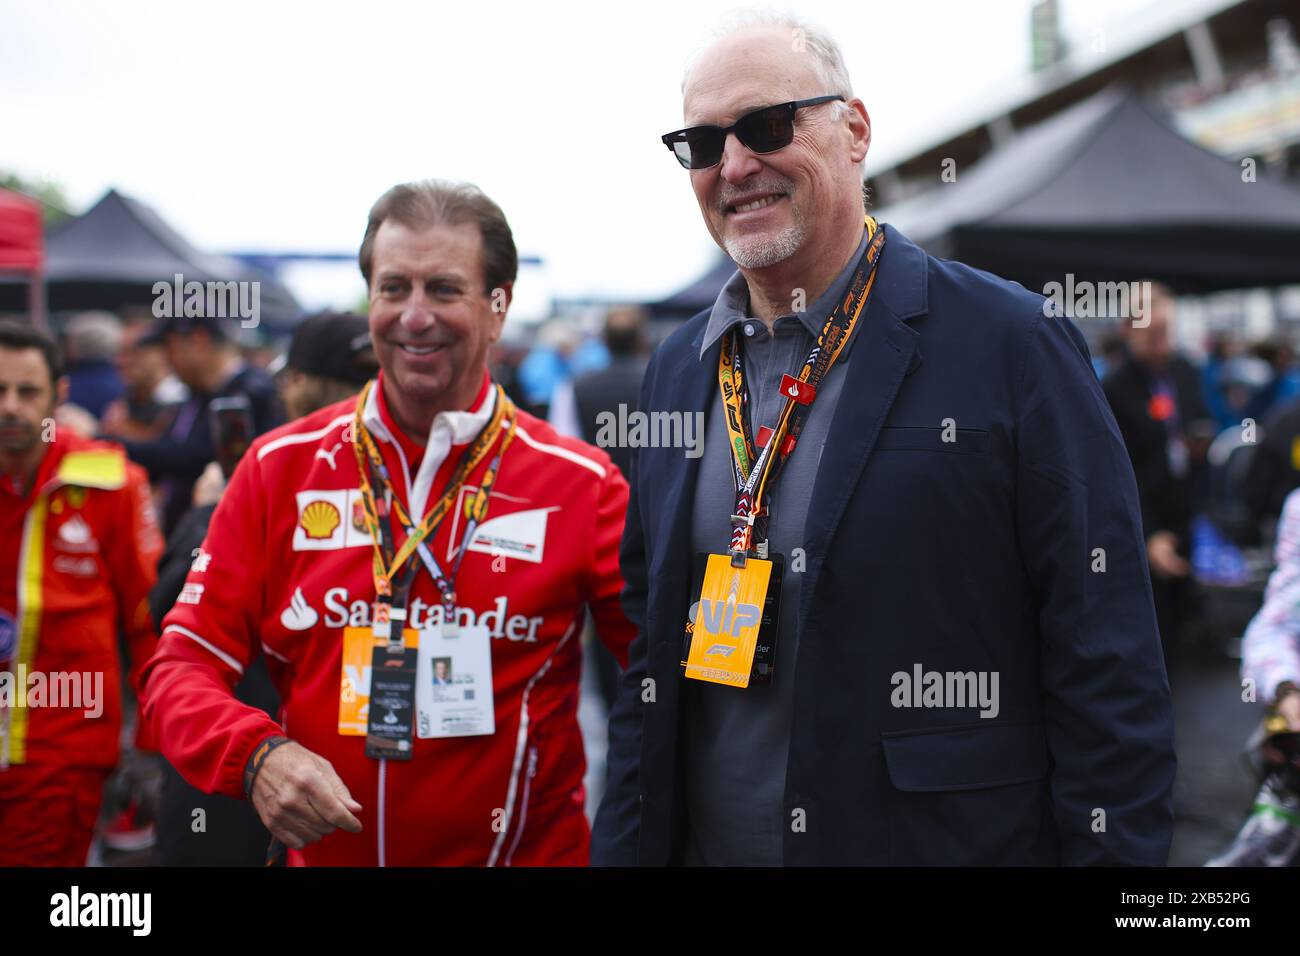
{"x":1016,"y":549}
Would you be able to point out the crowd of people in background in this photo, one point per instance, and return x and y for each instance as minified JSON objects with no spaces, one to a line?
{"x":1214,"y":444}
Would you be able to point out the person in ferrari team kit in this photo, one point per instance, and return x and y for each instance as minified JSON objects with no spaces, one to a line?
{"x":426,"y":520}
{"x":79,"y":543}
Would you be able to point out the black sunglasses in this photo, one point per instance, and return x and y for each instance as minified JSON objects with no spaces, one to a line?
{"x":764,"y":131}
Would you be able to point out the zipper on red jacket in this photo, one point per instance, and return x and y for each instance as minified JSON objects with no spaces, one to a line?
{"x":523,"y":805}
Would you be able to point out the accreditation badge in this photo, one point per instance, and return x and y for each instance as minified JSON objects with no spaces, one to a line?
{"x":454,"y":696}
{"x":390,"y":725}
{"x":359,"y":644}
{"x":735,"y":616}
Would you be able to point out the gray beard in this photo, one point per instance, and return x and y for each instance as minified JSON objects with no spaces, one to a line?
{"x":759,"y":252}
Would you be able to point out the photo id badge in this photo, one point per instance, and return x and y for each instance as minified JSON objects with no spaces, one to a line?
{"x":454,"y":695}
{"x":354,"y":680}
{"x":724,"y":623}
{"x":391,"y":724}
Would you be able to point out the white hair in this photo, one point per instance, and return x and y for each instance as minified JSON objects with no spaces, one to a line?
{"x":807,"y":37}
{"x":94,"y":336}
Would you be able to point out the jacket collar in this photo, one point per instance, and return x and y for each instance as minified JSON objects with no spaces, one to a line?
{"x":900,"y":288}
{"x":449,"y":428}
{"x":732,"y":305}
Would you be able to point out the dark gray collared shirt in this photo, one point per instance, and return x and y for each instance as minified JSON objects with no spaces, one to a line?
{"x":735,"y":742}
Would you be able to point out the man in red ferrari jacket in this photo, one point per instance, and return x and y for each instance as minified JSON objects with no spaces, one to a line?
{"x":78,"y":547}
{"x":415,"y":564}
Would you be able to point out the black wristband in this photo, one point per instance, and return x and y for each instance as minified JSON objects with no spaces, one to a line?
{"x":259,"y":757}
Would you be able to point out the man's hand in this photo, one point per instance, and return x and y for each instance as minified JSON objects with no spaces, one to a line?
{"x":301,"y":799}
{"x":1163,"y":556}
{"x":1289,"y":707}
{"x":208,"y":489}
{"x":76,"y":419}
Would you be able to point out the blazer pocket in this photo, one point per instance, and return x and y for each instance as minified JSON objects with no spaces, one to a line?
{"x":965,"y":441}
{"x":969,"y":757}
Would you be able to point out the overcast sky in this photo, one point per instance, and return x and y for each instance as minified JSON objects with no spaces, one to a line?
{"x":255,"y":126}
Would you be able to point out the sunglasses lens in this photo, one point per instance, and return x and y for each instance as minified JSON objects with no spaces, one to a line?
{"x":767,"y":130}
{"x":682,"y":151}
{"x":703,"y":148}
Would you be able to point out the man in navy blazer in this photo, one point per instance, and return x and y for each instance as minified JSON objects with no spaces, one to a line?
{"x":968,"y":669}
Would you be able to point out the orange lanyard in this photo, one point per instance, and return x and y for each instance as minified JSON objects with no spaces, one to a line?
{"x":755,"y":470}
{"x":373,"y":471}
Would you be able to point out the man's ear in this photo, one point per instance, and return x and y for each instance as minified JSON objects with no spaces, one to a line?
{"x":61,"y":390}
{"x":499,"y":300}
{"x":859,"y":129}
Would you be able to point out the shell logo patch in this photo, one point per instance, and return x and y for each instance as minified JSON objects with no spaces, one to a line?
{"x":321,"y":525}
{"x":319,"y":519}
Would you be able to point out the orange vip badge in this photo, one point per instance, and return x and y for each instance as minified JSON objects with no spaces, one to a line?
{"x":359,"y":644}
{"x":725,"y":621}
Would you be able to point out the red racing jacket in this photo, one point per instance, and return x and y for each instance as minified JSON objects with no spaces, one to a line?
{"x":287,"y":564}
{"x":78,"y":554}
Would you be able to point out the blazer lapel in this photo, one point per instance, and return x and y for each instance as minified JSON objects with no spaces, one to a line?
{"x":885,"y":351}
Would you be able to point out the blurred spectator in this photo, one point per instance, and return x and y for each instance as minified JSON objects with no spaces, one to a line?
{"x":1218,"y":350}
{"x":152,"y":393}
{"x":92,"y":341}
{"x":78,"y":548}
{"x":1245,"y":388}
{"x":618,"y":383}
{"x":547,"y":365}
{"x":329,"y":359}
{"x":1155,"y":395}
{"x":1270,"y":648}
{"x":1274,"y":470}
{"x":1110,"y":354}
{"x":1283,"y":382}
{"x":575,"y":410}
{"x":209,"y":363}
{"x":504,"y":361}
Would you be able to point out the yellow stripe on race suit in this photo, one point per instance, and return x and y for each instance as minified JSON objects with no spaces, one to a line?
{"x":93,"y":468}
{"x":31,"y":574}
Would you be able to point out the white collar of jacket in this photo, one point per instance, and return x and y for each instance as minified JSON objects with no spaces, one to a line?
{"x":449,"y":428}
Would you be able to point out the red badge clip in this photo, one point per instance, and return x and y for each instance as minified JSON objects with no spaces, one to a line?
{"x":801,"y":392}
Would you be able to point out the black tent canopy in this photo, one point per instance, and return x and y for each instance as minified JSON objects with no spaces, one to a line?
{"x":112,"y":256}
{"x":1109,"y":190}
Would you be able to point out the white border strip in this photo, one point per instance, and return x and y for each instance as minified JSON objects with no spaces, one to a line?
{"x":216,"y":651}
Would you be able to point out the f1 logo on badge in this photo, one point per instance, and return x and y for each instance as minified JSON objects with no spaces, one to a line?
{"x":722,"y":617}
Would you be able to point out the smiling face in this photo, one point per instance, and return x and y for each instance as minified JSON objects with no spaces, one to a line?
{"x":794,"y":203}
{"x":431,"y":320}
